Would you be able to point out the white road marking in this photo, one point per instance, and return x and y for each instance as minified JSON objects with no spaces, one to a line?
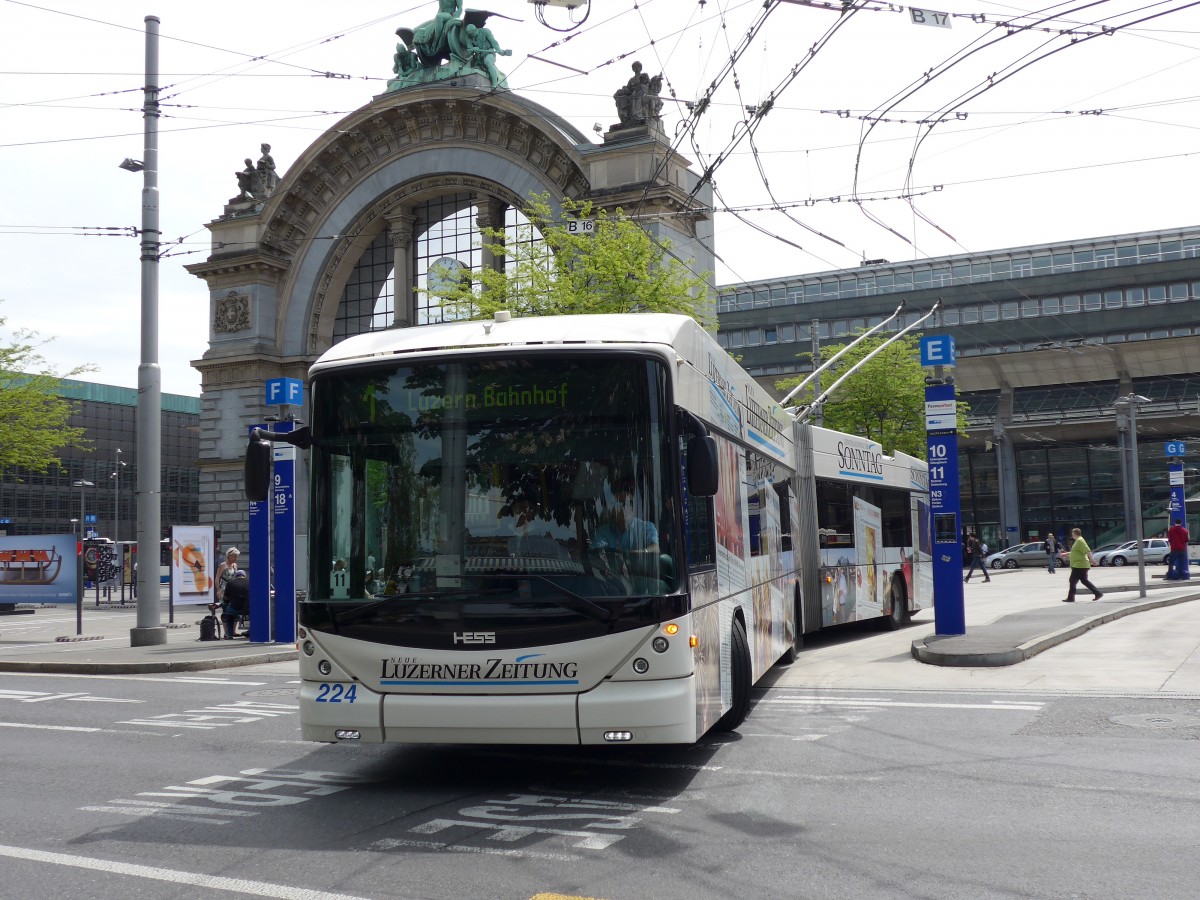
{"x":874,"y":705}
{"x":47,"y":727}
{"x":390,"y":843}
{"x":174,"y":876}
{"x":174,"y":679}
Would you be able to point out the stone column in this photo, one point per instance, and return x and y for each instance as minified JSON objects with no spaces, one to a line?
{"x":491,"y":215}
{"x":400,"y":231}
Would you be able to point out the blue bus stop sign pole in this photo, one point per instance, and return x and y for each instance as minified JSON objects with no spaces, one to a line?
{"x":941,"y":427}
{"x":1178,"y":503}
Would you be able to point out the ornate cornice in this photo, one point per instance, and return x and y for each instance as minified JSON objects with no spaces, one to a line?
{"x":392,"y":128}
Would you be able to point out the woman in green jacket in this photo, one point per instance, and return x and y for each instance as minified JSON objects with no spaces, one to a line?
{"x":1081,"y":560}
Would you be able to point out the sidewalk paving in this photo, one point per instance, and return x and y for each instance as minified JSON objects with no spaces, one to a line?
{"x":1016,"y":616}
{"x":1043,"y":620}
{"x":46,"y":641}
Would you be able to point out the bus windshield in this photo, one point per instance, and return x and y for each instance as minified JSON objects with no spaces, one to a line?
{"x":542,"y":478}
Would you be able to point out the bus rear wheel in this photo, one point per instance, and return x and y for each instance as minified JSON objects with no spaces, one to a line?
{"x":898,"y":617}
{"x":739,"y":677}
{"x":793,"y":652}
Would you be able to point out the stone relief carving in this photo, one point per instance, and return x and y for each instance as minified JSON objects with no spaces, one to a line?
{"x":232,"y":313}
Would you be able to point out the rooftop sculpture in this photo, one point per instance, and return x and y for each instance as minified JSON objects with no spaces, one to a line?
{"x":638,"y":100}
{"x":448,"y":47}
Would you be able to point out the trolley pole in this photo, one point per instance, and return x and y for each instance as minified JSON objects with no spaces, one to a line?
{"x":149,"y":628}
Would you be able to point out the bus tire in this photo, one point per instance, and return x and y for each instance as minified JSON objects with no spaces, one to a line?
{"x":793,"y":652}
{"x":898,"y":617}
{"x":740,"y":675}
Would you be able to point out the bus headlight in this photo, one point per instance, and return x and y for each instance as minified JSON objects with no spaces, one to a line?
{"x":660,"y":644}
{"x":641,"y":666}
{"x":324,"y":667}
{"x":308,"y":648}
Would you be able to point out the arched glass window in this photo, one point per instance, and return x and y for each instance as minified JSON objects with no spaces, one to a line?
{"x":445,"y":230}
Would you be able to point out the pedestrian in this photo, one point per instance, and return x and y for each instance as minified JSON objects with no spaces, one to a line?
{"x":226,"y":571}
{"x":975,"y":550}
{"x":1177,"y":538}
{"x":1081,"y":560}
{"x":237,"y":602}
{"x":1051,"y":547}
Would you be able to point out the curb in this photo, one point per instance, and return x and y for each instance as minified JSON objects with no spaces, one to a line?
{"x":149,"y":667}
{"x":925,"y":649}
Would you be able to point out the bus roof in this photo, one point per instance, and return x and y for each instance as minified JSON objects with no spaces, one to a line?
{"x":670,"y":330}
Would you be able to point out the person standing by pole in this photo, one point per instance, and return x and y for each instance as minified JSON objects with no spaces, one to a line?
{"x":1081,"y":562}
{"x":975,"y":549}
{"x":1051,"y":547}
{"x":1177,"y":538}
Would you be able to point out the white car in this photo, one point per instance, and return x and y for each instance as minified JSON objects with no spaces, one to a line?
{"x":1154,"y":550}
{"x":1104,"y":554}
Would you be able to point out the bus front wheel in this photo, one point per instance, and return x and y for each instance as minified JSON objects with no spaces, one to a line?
{"x":739,"y":677}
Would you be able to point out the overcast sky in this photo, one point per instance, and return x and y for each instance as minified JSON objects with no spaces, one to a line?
{"x":1071,"y":121}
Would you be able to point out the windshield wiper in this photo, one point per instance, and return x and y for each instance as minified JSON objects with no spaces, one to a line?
{"x":349,"y":616}
{"x":574,"y":602}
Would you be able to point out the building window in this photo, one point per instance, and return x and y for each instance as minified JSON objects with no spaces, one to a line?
{"x":1112,"y":299}
{"x":367,"y":303}
{"x":990,"y":312}
{"x":1091,"y":302}
{"x":1070,"y":303}
{"x":1050,"y":306}
{"x":1179,"y":292}
{"x":1135,"y":297}
{"x":1157,"y":293}
{"x":1008,"y":309}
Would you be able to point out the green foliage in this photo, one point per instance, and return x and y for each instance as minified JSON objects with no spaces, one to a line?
{"x":884,"y":400}
{"x":33,"y":416}
{"x":618,"y":268}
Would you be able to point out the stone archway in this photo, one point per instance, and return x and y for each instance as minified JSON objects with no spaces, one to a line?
{"x":279,"y":269}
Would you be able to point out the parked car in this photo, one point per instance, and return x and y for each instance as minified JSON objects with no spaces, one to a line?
{"x":1154,"y":550}
{"x":1103,"y":553}
{"x":1031,"y":554}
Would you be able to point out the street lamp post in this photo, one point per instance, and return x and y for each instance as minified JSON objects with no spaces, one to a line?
{"x":149,"y":628}
{"x":1130,"y":402}
{"x":81,"y":484}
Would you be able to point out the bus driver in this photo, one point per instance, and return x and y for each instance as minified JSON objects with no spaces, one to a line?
{"x":622,"y":529}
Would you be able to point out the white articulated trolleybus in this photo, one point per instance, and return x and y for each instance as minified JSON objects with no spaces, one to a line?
{"x":567,"y":530}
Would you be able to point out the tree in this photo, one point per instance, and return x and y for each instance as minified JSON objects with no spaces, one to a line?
{"x":884,"y":400}
{"x":617,"y":268}
{"x":33,"y":414}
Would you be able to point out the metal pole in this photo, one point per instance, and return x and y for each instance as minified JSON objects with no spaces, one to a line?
{"x":149,"y":629}
{"x":1136,"y":493}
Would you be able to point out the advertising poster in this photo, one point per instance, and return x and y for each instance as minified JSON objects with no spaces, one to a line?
{"x":39,"y":569}
{"x":868,"y":537}
{"x":732,"y":520}
{"x":193,"y":563}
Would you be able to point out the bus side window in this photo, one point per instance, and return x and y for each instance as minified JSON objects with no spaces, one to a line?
{"x":701,"y":533}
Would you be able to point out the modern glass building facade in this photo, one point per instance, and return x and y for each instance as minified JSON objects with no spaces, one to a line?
{"x":1048,"y":338}
{"x":46,"y":503}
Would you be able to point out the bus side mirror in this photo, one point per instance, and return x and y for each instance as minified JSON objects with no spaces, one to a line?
{"x":702,"y":466}
{"x":257,"y":468}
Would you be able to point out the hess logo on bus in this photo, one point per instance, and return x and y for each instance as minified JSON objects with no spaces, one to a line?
{"x":474,"y":637}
